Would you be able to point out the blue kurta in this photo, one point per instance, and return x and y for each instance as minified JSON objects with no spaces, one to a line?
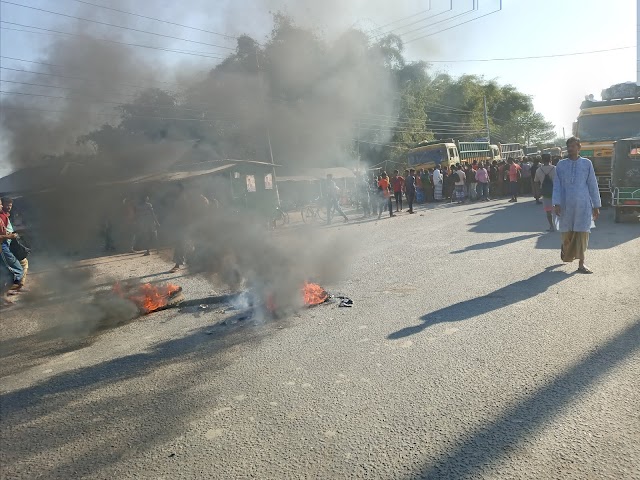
{"x":575,"y":189}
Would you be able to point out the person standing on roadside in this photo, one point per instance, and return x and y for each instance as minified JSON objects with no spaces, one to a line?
{"x":427,"y":186}
{"x":482,"y":179}
{"x":410,"y":188}
{"x":148,"y":224}
{"x":525,"y":180}
{"x":5,"y":213}
{"x":501,"y":176}
{"x":545,"y":175}
{"x":332,"y":192}
{"x":385,"y":190}
{"x":459,"y":183}
{"x":576,"y":200}
{"x":12,"y":263}
{"x":535,"y":185}
{"x":374,"y":194}
{"x":397,"y":183}
{"x":363,"y":195}
{"x":514,"y":176}
{"x":472,"y":185}
{"x":438,"y":182}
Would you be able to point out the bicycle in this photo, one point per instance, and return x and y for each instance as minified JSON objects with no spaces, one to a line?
{"x":313,"y":212}
{"x":280,"y":218}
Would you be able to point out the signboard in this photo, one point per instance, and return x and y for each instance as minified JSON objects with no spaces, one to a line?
{"x":251,"y":183}
{"x":268,"y":181}
{"x":605,"y":152}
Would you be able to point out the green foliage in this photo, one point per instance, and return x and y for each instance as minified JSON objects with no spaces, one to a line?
{"x":323,"y":102}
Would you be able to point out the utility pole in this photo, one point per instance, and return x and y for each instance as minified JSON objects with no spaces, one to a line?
{"x":358,"y":142}
{"x":563,"y":134}
{"x":486,"y":117}
{"x":264,"y":104}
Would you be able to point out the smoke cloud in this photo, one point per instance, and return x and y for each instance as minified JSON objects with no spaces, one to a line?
{"x":131,"y":111}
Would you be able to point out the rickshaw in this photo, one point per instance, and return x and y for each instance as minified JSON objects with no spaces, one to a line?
{"x":625,"y":177}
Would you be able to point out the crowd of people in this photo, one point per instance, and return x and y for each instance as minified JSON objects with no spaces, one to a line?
{"x":471,"y":182}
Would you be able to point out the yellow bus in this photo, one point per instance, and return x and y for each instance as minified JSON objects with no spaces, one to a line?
{"x":599,"y":125}
{"x":430,"y":154}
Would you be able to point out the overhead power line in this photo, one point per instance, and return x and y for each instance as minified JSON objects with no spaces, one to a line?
{"x":533,"y":56}
{"x":98,"y":22}
{"x":75,"y":78}
{"x":466,"y":12}
{"x":428,"y":17}
{"x":455,"y":26}
{"x":57,"y":32}
{"x":156,"y":19}
{"x":407,"y":17}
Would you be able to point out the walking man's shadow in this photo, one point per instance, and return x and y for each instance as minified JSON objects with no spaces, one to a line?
{"x":514,"y":293}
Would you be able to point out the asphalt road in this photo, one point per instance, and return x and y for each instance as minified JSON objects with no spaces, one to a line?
{"x":470,"y":352}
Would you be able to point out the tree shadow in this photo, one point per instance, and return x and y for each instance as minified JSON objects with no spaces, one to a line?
{"x":124,"y":416}
{"x":496,"y":440}
{"x":503,"y":297}
{"x":498,"y":243}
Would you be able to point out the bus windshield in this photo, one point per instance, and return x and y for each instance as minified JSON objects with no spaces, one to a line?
{"x":436,"y":155}
{"x":610,"y":126}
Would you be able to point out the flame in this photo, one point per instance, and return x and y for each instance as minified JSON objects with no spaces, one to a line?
{"x":314,"y":294}
{"x":148,"y":297}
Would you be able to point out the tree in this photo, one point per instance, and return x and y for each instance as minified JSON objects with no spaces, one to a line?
{"x":321,"y":102}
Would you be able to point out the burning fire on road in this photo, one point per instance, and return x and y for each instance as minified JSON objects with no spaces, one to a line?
{"x":151,"y":298}
{"x":314,"y":294}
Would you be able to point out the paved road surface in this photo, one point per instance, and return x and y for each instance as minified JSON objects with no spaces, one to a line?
{"x":470,"y":352}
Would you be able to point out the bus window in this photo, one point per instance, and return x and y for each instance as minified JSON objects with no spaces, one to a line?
{"x":452,"y":153}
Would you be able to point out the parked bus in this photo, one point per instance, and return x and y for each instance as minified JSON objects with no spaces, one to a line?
{"x":429,"y":154}
{"x":510,"y":150}
{"x":478,"y":151}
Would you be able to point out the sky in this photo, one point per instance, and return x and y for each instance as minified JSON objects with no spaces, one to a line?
{"x":522,"y":28}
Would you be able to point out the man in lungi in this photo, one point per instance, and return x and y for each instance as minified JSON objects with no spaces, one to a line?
{"x":577,"y":203}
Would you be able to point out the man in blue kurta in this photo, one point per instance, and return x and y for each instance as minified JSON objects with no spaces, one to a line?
{"x":576,"y":201}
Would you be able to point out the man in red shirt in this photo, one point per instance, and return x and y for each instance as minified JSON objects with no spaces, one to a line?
{"x":383,"y":186}
{"x":397,"y":183}
{"x":514,"y":176}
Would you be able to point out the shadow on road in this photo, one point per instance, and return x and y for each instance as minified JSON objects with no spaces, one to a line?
{"x":528,"y":217}
{"x":498,"y":243}
{"x":496,"y":440}
{"x":125,"y":416}
{"x":509,"y":295}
